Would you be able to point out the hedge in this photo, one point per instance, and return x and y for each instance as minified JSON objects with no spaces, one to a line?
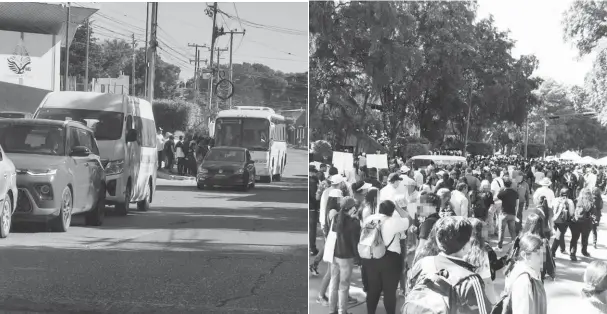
{"x":480,"y":148}
{"x":592,"y":152}
{"x":533,"y":150}
{"x":177,"y":115}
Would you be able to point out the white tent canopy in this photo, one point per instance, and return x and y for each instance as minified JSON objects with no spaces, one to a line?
{"x":569,"y":155}
{"x":602,"y":161}
{"x":587,"y":161}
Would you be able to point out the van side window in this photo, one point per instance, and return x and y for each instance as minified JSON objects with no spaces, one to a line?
{"x":73,"y":138}
{"x":146,"y":130}
{"x":129,"y":122}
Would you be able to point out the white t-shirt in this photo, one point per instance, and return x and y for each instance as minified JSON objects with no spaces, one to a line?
{"x":419,"y":178}
{"x":391,"y":229}
{"x":179,"y":151}
{"x":160,"y":142}
{"x":459,"y":201}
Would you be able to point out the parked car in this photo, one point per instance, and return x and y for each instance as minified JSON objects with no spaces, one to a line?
{"x":227,"y":166}
{"x":15,"y":115}
{"x":59,"y":172}
{"x":8,"y":193}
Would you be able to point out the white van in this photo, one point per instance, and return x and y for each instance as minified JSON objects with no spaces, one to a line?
{"x":126,"y":134}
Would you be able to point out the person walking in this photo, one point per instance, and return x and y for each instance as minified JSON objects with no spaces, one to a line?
{"x":563,"y":209}
{"x":581,"y":223}
{"x":180,"y":154}
{"x":596,"y":215}
{"x":507,"y":216}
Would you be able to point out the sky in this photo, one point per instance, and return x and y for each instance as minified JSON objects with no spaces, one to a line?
{"x":181,"y":24}
{"x":536,"y":27}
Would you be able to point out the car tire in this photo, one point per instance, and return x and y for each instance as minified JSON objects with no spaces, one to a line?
{"x":122,"y":209}
{"x":144,"y":205}
{"x":6,"y":217}
{"x":277,"y":177}
{"x":96,"y":215}
{"x":245,"y":186}
{"x":62,"y":223}
{"x":200,"y":186}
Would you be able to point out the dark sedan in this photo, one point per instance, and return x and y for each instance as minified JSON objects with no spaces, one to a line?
{"x":227,"y":166}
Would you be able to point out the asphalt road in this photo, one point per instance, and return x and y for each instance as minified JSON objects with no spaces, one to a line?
{"x":216,"y":251}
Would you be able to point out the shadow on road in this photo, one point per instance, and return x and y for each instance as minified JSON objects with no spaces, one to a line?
{"x":266,"y":219}
{"x":57,"y":280}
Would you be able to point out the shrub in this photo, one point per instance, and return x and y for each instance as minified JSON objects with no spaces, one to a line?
{"x":174,"y":115}
{"x":592,"y":152}
{"x":322,"y":150}
{"x":533,"y":150}
{"x":479,"y":148}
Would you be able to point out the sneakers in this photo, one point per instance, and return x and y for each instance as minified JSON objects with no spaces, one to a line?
{"x":322,"y":300}
{"x":595,"y":245}
{"x":573,"y":258}
{"x":314,"y":270}
{"x":586,"y":254}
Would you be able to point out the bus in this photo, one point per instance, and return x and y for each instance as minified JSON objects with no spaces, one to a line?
{"x":262,"y":132}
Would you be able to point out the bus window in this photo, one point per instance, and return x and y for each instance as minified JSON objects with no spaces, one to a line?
{"x":259,"y":129}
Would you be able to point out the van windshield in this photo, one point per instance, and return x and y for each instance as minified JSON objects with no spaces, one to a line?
{"x":107,"y":125}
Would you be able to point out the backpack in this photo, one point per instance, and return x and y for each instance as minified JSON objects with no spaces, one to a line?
{"x":479,"y":207}
{"x":434,"y":289}
{"x":371,"y":244}
{"x":563,"y":208}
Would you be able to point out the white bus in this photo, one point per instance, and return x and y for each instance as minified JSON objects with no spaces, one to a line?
{"x":126,"y":134}
{"x":260,"y":130}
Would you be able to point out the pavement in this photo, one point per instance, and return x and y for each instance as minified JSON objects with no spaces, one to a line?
{"x":563,"y":293}
{"x":211,"y":251}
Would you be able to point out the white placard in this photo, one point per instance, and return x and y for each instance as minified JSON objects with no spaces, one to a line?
{"x":377,"y":161}
{"x":343,"y":162}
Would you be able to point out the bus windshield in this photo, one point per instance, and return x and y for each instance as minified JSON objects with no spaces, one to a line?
{"x":107,"y":125}
{"x":251,"y":133}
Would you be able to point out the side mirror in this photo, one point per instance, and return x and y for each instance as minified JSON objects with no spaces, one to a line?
{"x":131,"y":136}
{"x":80,"y":151}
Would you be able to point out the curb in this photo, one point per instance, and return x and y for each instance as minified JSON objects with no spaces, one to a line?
{"x":166,"y":176}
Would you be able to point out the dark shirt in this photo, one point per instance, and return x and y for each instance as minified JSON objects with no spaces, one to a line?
{"x":427,"y":225}
{"x":374,"y":182}
{"x":348,"y":235}
{"x":509,"y":198}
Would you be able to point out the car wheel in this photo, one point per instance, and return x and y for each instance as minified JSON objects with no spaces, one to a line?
{"x":144,"y":205}
{"x":277,"y":177}
{"x":245,"y":185}
{"x":96,"y":216}
{"x":62,"y":223}
{"x":200,"y":186}
{"x":122,"y":209}
{"x":5,"y":217}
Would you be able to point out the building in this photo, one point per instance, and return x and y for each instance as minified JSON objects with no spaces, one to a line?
{"x":110,"y":85}
{"x":298,"y":130}
{"x":32,"y":36}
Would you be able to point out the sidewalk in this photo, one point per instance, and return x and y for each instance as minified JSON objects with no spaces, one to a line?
{"x":563,"y":293}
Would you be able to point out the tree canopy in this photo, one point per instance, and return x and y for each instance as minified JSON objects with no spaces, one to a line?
{"x":420,"y":63}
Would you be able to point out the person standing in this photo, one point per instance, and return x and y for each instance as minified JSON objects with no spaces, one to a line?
{"x":581,"y":223}
{"x":169,"y":152}
{"x":160,"y":147}
{"x":180,"y":155}
{"x":524,"y":197}
{"x":459,"y":201}
{"x":563,"y":209}
{"x":507,"y":216}
{"x":313,"y":208}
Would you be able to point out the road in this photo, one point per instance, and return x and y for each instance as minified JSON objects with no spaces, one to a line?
{"x":216,"y":251}
{"x":563,"y":293}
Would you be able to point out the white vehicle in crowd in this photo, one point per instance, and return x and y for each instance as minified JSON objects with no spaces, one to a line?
{"x":126,"y":134}
{"x":261,"y":131}
{"x":8,"y":193}
{"x":424,"y":161}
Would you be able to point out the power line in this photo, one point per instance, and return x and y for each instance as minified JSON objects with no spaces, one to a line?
{"x":236,"y":10}
{"x":278,"y":29}
{"x":272,"y":48}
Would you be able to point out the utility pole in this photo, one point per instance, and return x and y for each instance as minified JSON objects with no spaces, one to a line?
{"x":147,"y":25}
{"x":67,"y":48}
{"x":526,"y":137}
{"x":468,"y":122}
{"x":218,"y":57}
{"x":133,"y":92}
{"x":216,"y":33}
{"x":153,"y":45}
{"x":197,"y":62}
{"x":545,"y":127}
{"x":86,"y":62}
{"x":231,"y":52}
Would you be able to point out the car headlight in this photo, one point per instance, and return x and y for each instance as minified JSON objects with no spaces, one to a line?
{"x":114,"y":167}
{"x":240,"y":171}
{"x":38,"y":172}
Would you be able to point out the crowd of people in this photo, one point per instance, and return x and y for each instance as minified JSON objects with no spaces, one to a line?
{"x":184,"y":152}
{"x":424,"y":234}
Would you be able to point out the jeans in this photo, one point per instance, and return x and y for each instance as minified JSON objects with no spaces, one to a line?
{"x":170,"y":160}
{"x":181,"y":166}
{"x":594,"y":233}
{"x":519,"y":215}
{"x":341,"y":272}
{"x":579,"y":229}
{"x":506,"y":220}
{"x":383,"y":275}
{"x":313,"y":226}
{"x":403,"y":274}
{"x":559,"y":240}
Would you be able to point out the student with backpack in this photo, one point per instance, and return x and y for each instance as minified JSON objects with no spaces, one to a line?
{"x":524,"y":291}
{"x":379,"y":248}
{"x":581,"y":223}
{"x":446,"y":283}
{"x":563,"y":208}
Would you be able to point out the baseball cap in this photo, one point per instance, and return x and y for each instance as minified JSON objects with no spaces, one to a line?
{"x":365,"y":186}
{"x":336,"y":179}
{"x":404,"y":169}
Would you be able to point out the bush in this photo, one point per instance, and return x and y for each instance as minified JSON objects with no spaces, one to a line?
{"x":414,"y":149}
{"x":322,"y":150}
{"x":480,"y":148}
{"x":174,"y":115}
{"x":533,"y":150}
{"x":592,"y":152}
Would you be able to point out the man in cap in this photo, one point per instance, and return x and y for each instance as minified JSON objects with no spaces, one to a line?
{"x":543,"y":190}
{"x":335,"y":181}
